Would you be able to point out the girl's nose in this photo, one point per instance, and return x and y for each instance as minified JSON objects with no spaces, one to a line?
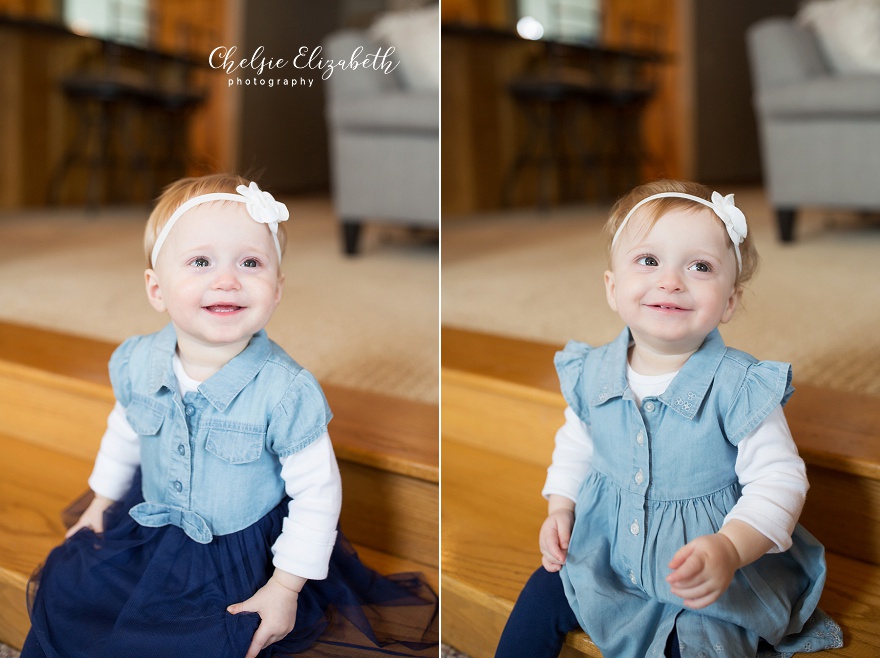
{"x":670,"y":282}
{"x":226,"y":279}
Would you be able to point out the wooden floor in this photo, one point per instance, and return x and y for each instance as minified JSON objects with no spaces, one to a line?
{"x":501,"y":408}
{"x":54,"y":400}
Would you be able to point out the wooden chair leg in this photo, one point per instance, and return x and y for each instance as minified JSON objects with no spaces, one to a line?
{"x":351,"y":233}
{"x":785,"y":220}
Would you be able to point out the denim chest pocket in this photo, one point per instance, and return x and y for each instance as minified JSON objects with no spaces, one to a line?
{"x":145,"y":419}
{"x":236,"y":443}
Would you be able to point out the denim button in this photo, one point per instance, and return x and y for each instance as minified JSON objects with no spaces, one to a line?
{"x":190,"y":410}
{"x":640,"y":477}
{"x":178,"y":487}
{"x":649,"y":406}
{"x":181,"y":449}
{"x":634,"y":528}
{"x":640,"y":438}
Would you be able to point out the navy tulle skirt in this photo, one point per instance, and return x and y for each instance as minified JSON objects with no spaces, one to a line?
{"x":134,"y":591}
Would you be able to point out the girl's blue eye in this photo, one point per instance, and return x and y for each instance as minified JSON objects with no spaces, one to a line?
{"x":251,"y":262}
{"x":650,"y":261}
{"x":200,"y":262}
{"x":701,"y":267}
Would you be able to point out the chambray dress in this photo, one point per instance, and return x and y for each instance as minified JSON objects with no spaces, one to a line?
{"x":662,"y":475}
{"x":194,"y":533}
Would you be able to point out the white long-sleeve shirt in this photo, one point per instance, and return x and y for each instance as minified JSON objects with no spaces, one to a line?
{"x":768,"y":467}
{"x":311,"y":479}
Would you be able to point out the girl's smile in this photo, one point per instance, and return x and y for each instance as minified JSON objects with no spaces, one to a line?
{"x":223,"y":309}
{"x":672,"y":283}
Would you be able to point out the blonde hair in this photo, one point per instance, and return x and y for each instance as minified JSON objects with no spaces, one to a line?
{"x":654,"y":210}
{"x":181,"y":191}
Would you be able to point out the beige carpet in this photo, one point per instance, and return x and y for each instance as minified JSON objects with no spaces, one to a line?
{"x":814,"y":303}
{"x":369,"y":322}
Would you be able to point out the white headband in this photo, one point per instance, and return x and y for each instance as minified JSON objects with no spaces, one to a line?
{"x":261,"y":206}
{"x":733,"y":218}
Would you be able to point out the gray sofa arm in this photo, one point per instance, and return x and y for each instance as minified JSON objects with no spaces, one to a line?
{"x":853,"y":96}
{"x":792,"y":79}
{"x":782,"y":53}
{"x":346,"y":84}
{"x":401,"y":112}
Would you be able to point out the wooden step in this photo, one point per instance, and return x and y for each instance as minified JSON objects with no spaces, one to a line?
{"x":490,"y":547}
{"x":55,"y":392}
{"x":502,"y":394}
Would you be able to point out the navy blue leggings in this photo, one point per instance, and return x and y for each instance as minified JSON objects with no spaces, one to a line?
{"x":540,"y":619}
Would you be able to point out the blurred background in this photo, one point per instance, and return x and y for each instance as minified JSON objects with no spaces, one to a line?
{"x":679,"y":74}
{"x":147,"y":62}
{"x":554,"y":109}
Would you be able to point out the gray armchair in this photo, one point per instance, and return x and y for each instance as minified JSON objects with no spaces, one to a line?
{"x":819,"y":130}
{"x":384,"y":144}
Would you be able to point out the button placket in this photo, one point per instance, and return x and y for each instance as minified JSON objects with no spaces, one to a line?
{"x":179,"y":454}
{"x":634,"y":524}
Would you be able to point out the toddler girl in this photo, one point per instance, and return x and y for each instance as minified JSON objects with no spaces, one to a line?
{"x":675,"y":486}
{"x":212,"y":531}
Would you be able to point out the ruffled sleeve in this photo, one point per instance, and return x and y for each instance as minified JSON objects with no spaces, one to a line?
{"x":570,"y":368}
{"x":120,"y":378}
{"x":766,"y":385}
{"x":300,"y":417}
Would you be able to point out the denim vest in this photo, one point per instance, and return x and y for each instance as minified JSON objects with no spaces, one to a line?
{"x":210,"y":459}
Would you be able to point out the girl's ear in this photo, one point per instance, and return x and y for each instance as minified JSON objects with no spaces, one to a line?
{"x":610,"y":289}
{"x":154,"y":292}
{"x":279,"y":288}
{"x":732,"y":304}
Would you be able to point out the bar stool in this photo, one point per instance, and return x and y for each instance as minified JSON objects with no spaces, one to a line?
{"x":171,"y":109}
{"x":584,"y":118}
{"x":557,"y":141}
{"x":107,"y":104}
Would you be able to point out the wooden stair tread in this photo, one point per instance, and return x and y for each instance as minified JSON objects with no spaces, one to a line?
{"x":63,"y":354}
{"x":37,"y":485}
{"x":490,"y":547}
{"x":375,"y":430}
{"x":832,"y":429}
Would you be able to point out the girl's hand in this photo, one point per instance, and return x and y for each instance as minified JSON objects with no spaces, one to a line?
{"x":276,"y":603}
{"x":554,"y":537}
{"x":92,"y":518}
{"x":703,"y":569}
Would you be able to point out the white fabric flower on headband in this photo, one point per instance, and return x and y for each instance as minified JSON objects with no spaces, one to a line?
{"x":263,"y":207}
{"x":732,"y":217}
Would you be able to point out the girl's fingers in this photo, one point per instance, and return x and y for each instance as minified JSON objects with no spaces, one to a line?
{"x":553,"y":558}
{"x":687,"y":571}
{"x":694,"y":592}
{"x":702,"y":602}
{"x":552,"y":567}
{"x":563,"y":534}
{"x":550,"y":548}
{"x":680,"y":556}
